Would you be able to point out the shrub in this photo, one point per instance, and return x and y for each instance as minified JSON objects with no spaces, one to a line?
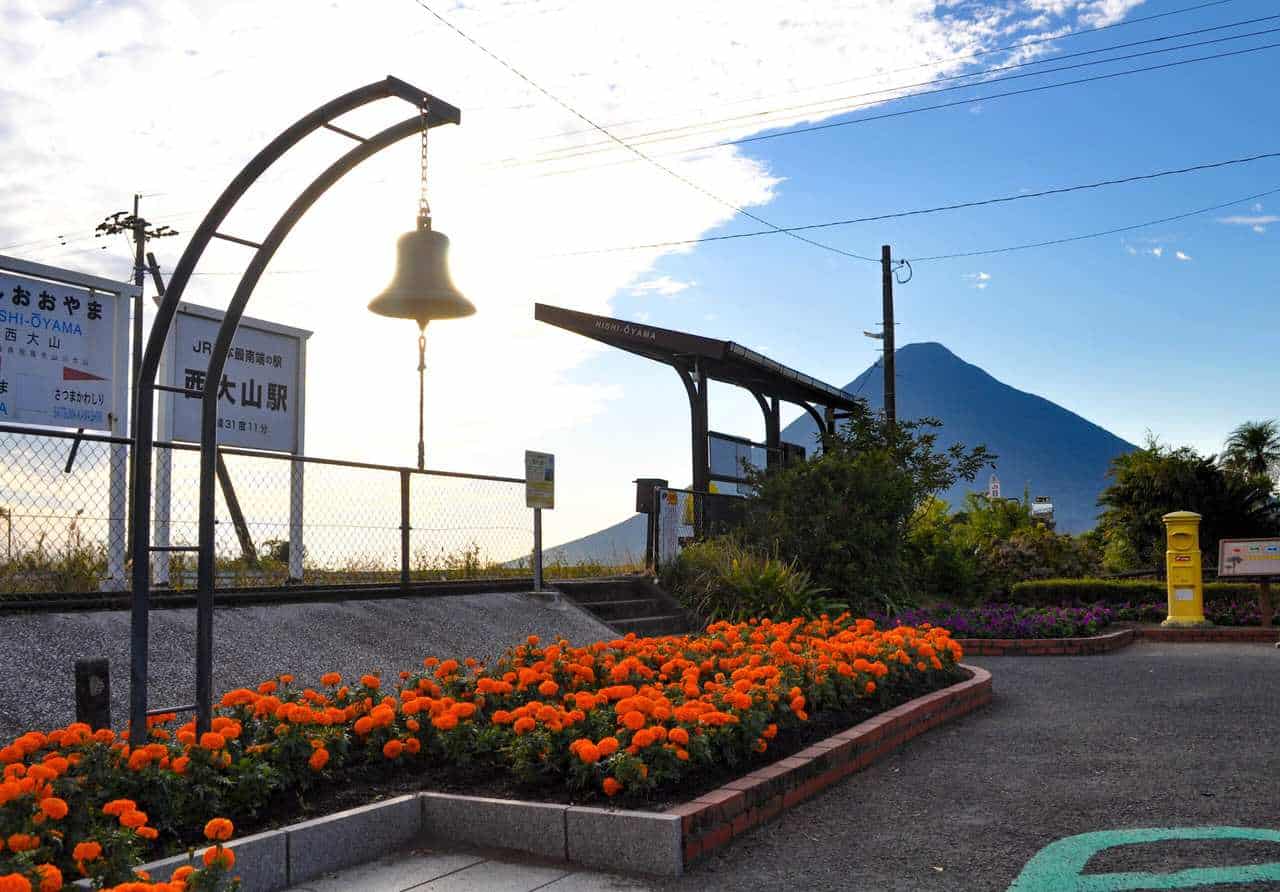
{"x":1049,"y":592}
{"x":720,"y":579}
{"x":633,"y":715}
{"x":1010,"y":620}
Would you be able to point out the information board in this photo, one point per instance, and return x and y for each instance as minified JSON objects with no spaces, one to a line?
{"x":1249,"y":557}
{"x":539,"y":480}
{"x":260,"y":396}
{"x":60,"y":354}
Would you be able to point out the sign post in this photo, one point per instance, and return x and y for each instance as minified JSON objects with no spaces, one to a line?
{"x":1257,"y":559}
{"x":261,"y":405}
{"x":539,"y":493}
{"x":64,"y":362}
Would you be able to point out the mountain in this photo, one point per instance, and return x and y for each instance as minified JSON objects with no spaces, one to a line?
{"x":1040,"y":445}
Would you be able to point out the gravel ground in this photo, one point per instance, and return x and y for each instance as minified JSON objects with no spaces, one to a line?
{"x":1156,"y":735}
{"x":37,"y":687}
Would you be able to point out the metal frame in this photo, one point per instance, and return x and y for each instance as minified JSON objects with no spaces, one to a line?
{"x":437,"y":113}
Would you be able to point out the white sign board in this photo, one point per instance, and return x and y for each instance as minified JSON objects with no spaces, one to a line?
{"x":539,"y":480}
{"x":64,"y":352}
{"x":260,"y":396}
{"x":1249,"y":557}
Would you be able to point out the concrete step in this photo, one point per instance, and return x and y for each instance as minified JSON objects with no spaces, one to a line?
{"x":597,"y":590}
{"x":609,"y":611}
{"x":651,"y":626}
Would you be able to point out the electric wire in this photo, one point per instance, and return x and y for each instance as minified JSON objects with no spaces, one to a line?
{"x":842,"y":106}
{"x":1114,"y":231}
{"x":606,"y":132}
{"x":960,"y":205}
{"x":942,"y":61}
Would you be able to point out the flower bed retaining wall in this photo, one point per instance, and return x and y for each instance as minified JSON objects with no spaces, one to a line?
{"x":1100,"y":644}
{"x":657,"y":843}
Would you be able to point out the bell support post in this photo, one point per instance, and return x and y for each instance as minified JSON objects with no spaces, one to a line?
{"x":144,"y":393}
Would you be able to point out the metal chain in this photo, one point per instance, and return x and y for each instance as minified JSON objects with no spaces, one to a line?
{"x":424,"y":209}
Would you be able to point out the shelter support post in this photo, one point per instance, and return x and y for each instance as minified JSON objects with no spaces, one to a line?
{"x":695,"y":384}
{"x":770,"y":408}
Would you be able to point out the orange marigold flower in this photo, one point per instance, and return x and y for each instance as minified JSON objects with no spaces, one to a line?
{"x":548,"y":688}
{"x":329,"y":679}
{"x":611,"y":787}
{"x":447,"y":721}
{"x":218,"y":829}
{"x":53,"y":807}
{"x":678,"y":736}
{"x":871,"y":687}
{"x":392,"y":749}
{"x":589,"y":753}
{"x":607,"y":746}
{"x":413,"y":745}
{"x":524,"y":724}
{"x":286,"y":679}
{"x":117,"y":807}
{"x":363,"y":725}
{"x":319,"y":758}
{"x":133,"y":819}
{"x":149,"y":833}
{"x":180,"y":875}
{"x":23,"y":842}
{"x":633,"y":720}
{"x":371,"y":681}
{"x":212,"y":740}
{"x":50,"y":878}
{"x":219,"y":855}
{"x":87,"y":851}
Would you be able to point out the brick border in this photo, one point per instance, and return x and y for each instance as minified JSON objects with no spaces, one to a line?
{"x":1235,"y":634}
{"x":1034,"y":647}
{"x":713,"y":819}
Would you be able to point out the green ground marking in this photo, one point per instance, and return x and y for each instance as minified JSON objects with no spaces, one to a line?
{"x":1059,"y":866}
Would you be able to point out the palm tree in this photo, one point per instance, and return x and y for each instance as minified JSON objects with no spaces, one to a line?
{"x":1253,"y":449}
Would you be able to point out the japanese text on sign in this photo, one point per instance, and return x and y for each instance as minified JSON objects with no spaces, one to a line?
{"x":539,"y":480}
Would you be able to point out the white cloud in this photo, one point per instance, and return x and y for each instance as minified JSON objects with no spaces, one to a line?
{"x":1181,"y":255}
{"x":664,"y":285}
{"x":1132,"y":251}
{"x":980,"y":279}
{"x":1259,"y":229}
{"x":980,"y":286}
{"x":1157,"y":251}
{"x":1257,"y":207}
{"x":1250,"y":220}
{"x":222,"y":78}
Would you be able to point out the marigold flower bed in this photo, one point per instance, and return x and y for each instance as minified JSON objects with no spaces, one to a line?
{"x":633,"y":718}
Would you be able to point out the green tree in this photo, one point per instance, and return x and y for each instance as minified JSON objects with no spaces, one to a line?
{"x":1253,"y":449}
{"x":1148,"y":483}
{"x":844,"y":515}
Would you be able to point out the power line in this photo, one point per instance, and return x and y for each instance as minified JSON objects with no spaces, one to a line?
{"x":1115,"y":231}
{"x":816,"y":107}
{"x":894,"y":215}
{"x":946,"y":59}
{"x":911,"y":111}
{"x":659,"y":165}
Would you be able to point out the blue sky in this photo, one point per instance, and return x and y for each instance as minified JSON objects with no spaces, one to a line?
{"x":1130,"y":340}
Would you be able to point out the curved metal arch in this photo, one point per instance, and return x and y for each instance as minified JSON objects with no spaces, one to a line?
{"x":144,"y":389}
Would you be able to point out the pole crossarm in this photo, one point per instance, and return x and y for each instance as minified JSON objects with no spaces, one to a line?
{"x":437,"y":112}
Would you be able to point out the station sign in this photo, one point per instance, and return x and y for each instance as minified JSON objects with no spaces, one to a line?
{"x":64,"y":348}
{"x":1249,"y":557}
{"x":261,"y":395}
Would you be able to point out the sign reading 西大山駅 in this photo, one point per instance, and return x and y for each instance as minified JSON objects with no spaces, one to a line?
{"x":539,"y":480}
{"x":1249,"y":557}
{"x":62,"y":349}
{"x":260,"y":396}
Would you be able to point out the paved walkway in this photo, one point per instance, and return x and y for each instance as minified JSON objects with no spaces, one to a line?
{"x":425,"y":870}
{"x":1154,"y":736}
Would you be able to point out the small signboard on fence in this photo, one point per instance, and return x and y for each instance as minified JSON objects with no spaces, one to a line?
{"x":539,"y":480}
{"x":64,"y":357}
{"x":261,"y":394}
{"x":1249,"y":557}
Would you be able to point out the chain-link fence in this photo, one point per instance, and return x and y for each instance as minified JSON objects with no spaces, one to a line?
{"x":280,"y":519}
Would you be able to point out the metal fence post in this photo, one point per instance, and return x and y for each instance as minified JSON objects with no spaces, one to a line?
{"x":537,"y":549}
{"x":404,"y":528}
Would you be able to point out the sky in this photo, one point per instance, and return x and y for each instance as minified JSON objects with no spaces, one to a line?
{"x":1167,"y":328}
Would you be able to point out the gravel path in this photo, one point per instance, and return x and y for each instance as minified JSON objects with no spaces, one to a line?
{"x":37,"y":687}
{"x":1156,"y":735}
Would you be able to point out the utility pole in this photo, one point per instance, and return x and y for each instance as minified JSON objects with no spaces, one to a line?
{"x":886,"y":280}
{"x":142,"y":232}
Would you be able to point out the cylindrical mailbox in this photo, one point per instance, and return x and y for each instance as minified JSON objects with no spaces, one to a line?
{"x":1182,"y":565}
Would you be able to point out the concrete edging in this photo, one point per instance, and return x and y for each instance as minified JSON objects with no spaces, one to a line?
{"x":1099,"y":644}
{"x":643,"y":842}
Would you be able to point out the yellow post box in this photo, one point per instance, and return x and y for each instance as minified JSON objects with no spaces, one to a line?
{"x":1182,"y":565}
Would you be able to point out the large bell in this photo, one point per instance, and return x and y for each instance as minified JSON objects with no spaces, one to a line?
{"x":421,"y":288}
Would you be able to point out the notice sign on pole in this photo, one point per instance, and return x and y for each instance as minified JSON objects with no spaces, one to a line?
{"x":61,"y":353}
{"x":1249,"y":557}
{"x":260,"y":396}
{"x":539,"y":480}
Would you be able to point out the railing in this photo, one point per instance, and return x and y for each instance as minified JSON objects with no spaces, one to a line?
{"x":281,"y":519}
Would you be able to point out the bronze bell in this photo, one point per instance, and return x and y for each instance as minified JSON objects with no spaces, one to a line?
{"x":421,"y":288}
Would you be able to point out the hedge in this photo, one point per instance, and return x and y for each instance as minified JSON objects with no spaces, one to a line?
{"x":1052,"y":592}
